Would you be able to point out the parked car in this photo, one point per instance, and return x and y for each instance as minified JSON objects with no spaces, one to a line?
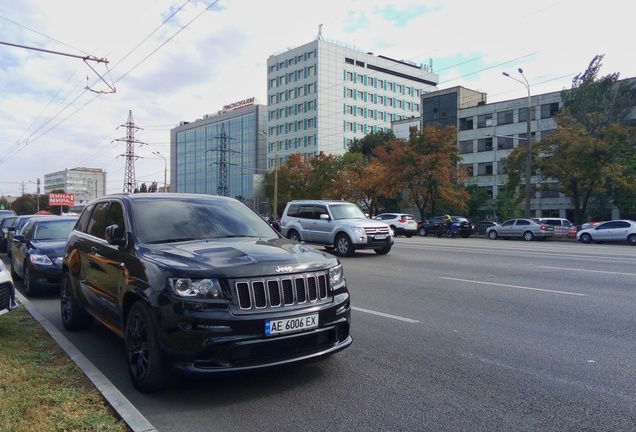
{"x":401,"y":223}
{"x":200,"y":285}
{"x":6,"y":213}
{"x":14,"y":229}
{"x":562,"y":227}
{"x":612,"y":231}
{"x":589,"y":224}
{"x":4,"y":229}
{"x":526,"y":229}
{"x":36,"y":251}
{"x":338,"y":225}
{"x":7,"y":291}
{"x":464,"y":229}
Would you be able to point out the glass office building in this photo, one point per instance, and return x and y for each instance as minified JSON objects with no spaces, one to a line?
{"x":222,"y":154}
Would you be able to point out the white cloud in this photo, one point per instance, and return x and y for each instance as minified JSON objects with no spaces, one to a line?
{"x":166,"y":74}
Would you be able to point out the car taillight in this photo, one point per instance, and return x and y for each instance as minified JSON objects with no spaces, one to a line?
{"x":401,"y":220}
{"x":543,"y":228}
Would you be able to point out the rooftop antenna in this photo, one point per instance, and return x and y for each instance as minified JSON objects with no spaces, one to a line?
{"x":319,"y":37}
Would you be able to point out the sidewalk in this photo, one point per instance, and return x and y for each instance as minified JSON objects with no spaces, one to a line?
{"x":125,"y":410}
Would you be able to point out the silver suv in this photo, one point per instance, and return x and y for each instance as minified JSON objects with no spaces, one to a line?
{"x":338,"y":225}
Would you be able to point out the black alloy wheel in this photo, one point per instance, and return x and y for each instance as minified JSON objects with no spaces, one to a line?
{"x":73,"y":316}
{"x":30,"y":286}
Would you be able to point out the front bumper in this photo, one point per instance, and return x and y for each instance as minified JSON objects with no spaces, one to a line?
{"x":7,"y":298}
{"x":45,"y":273}
{"x":209,"y":341}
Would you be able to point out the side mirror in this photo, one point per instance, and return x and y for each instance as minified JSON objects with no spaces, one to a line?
{"x":19,"y":238}
{"x":324,"y":216}
{"x":115,"y":235}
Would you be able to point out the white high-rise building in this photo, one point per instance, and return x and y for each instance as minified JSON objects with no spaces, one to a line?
{"x":322,"y":95}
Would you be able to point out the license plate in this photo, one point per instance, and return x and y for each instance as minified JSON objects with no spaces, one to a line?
{"x":380,"y":236}
{"x":291,"y":325}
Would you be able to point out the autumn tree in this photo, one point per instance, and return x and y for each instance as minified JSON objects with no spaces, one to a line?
{"x":429,"y":169}
{"x":591,"y":149}
{"x":370,"y":142}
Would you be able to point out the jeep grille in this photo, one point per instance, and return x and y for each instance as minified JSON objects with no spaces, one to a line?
{"x":382,"y":230}
{"x":281,"y":292}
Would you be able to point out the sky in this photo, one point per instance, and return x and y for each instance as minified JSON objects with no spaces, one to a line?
{"x":177,"y":60}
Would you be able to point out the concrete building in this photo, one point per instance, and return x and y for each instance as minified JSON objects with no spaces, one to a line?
{"x":222,"y":153}
{"x":84,"y":183}
{"x":323,"y":94}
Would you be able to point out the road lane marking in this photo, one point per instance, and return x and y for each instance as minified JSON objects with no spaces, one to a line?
{"x":590,"y":271}
{"x":385,"y":315}
{"x":516,"y":286}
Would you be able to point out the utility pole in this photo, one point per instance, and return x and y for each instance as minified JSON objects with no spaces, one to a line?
{"x":130,"y":182}
{"x":223,"y":150}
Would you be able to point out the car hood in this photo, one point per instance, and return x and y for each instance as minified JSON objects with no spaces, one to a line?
{"x":240,"y":257}
{"x":48,"y":247}
{"x":364,"y":223}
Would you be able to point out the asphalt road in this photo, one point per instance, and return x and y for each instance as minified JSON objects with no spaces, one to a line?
{"x":449,"y":335}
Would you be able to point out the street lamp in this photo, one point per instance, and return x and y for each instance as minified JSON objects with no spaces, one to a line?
{"x":529,"y":141}
{"x":275,"y":209}
{"x":165,"y":170}
{"x":37,"y":192}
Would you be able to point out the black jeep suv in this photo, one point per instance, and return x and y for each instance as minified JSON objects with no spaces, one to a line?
{"x":200,"y":284}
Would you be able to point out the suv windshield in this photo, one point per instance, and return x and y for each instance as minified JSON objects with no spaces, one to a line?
{"x":159,"y":221}
{"x":346,"y":211}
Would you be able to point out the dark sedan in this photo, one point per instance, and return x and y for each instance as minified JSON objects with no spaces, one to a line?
{"x":4,"y":229}
{"x":36,"y":251}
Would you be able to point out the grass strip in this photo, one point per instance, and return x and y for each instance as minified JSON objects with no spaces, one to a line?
{"x":41,"y":388}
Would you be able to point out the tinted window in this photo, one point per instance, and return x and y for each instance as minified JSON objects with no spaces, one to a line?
{"x":306,"y":211}
{"x":523,"y":222}
{"x":508,"y":223}
{"x":82,"y":222}
{"x":157,"y":221}
{"x":97,"y":222}
{"x":622,"y":224}
{"x":292,"y":210}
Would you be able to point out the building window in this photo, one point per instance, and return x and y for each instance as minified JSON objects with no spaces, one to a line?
{"x":272,"y":83}
{"x":310,"y":140}
{"x":523,"y":114}
{"x":504,"y":143}
{"x":469,"y":169}
{"x":504,"y":117}
{"x":299,"y":108}
{"x":310,"y":88}
{"x":370,"y":113}
{"x":552,"y":192}
{"x":310,"y":106}
{"x":416,"y":107}
{"x":484,"y":168}
{"x":290,"y":110}
{"x":360,"y":112}
{"x":349,"y":93}
{"x":484,"y":120}
{"x":381,"y":100}
{"x":310,"y":122}
{"x":466,"y":123}
{"x":465,"y":146}
{"x":272,"y":99}
{"x":349,"y":126}
{"x":370,"y":82}
{"x":484,"y":144}
{"x":310,"y":71}
{"x":349,"y":109}
{"x":381,"y":84}
{"x":299,"y":125}
{"x":549,"y":110}
{"x":290,"y":94}
{"x":349,"y":76}
{"x":390,"y":86}
{"x":360,"y":95}
{"x":290,"y":77}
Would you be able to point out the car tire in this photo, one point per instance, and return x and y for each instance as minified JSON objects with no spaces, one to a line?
{"x":73,"y":315}
{"x":30,"y":287}
{"x":631,"y":239}
{"x":394,"y":230}
{"x":528,"y":236}
{"x":14,"y":274}
{"x":422,"y":232}
{"x":343,"y":246}
{"x":585,"y":238}
{"x":293,"y":235}
{"x":383,"y":250}
{"x":146,"y":361}
{"x":492,"y":235}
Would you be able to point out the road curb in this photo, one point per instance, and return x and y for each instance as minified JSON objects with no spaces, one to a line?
{"x":125,"y":410}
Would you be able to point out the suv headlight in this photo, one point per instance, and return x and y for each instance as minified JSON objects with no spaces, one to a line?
{"x":358,"y":230}
{"x":196,"y":288}
{"x":336,"y":275}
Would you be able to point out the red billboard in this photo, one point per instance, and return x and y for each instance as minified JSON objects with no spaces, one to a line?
{"x":61,"y":199}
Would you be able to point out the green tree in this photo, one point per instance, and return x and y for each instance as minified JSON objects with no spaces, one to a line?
{"x":370,"y":142}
